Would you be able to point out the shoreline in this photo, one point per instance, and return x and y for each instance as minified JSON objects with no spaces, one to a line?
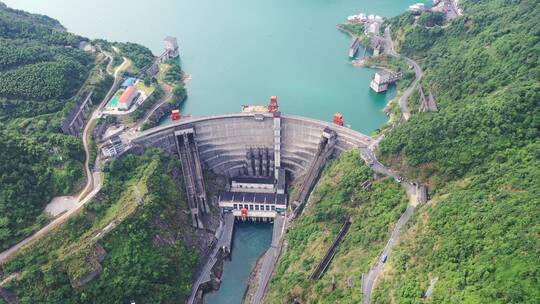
{"x":252,"y":283}
{"x":366,"y":63}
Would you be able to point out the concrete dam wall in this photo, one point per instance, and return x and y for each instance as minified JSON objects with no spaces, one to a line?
{"x":224,"y":140}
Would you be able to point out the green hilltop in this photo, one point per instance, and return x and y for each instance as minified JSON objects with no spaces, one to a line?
{"x":479,"y":154}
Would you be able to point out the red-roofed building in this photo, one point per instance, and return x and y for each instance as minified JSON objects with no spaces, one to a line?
{"x":127,"y":98}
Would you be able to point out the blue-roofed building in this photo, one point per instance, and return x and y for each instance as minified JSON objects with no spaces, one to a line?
{"x":128,"y":82}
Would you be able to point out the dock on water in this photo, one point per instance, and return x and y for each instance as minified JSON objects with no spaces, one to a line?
{"x":353,"y":48}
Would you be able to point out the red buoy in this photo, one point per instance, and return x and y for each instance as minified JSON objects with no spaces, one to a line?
{"x":273,"y":106}
{"x":244,"y":212}
{"x":338,"y":119}
{"x":175,"y":115}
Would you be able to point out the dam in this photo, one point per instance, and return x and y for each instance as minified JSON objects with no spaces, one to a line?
{"x":223,"y":141}
{"x":260,"y":150}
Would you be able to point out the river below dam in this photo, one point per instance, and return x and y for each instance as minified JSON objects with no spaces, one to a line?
{"x":241,"y":52}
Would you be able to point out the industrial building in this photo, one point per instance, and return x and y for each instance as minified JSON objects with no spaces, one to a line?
{"x":171,"y":47}
{"x":255,"y":206}
{"x":127,"y":98}
{"x":252,"y":184}
{"x":113,"y":148}
{"x":381,"y":80}
{"x":171,"y":51}
{"x":259,"y":193}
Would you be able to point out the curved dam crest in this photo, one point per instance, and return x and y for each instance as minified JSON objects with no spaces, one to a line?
{"x":224,"y":140}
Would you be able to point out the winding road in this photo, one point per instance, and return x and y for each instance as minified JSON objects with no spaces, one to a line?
{"x":368,"y":154}
{"x":389,"y":50}
{"x":93,"y":179}
{"x":370,"y":279}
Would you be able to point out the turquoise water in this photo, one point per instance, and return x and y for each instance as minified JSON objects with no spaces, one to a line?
{"x":250,"y":241}
{"x":241,"y":52}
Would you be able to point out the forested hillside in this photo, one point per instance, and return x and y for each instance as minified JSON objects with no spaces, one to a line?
{"x":41,"y":71}
{"x":126,"y":245}
{"x":480,"y":155}
{"x":478,"y":236}
{"x":338,"y":196}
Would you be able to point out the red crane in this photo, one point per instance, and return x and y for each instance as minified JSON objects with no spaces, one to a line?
{"x":338,"y":119}
{"x":273,"y":106}
{"x":175,"y":115}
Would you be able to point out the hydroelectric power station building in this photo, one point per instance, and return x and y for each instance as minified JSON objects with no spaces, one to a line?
{"x":259,"y":150}
{"x":260,"y":143}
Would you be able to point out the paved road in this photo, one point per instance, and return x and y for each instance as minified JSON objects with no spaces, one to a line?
{"x":270,"y":259}
{"x":405,"y":96}
{"x":371,"y":277}
{"x":369,"y":157}
{"x":4,"y":256}
{"x":389,"y":49}
{"x":93,"y":184}
{"x":95,"y":115}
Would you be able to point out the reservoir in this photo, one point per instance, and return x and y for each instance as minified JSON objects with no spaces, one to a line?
{"x":241,"y":52}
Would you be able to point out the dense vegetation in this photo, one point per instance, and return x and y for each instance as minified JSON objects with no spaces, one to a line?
{"x":42,"y":81}
{"x":479,"y":153}
{"x":484,"y":77}
{"x":175,"y":76}
{"x":145,"y":257}
{"x":29,"y":175}
{"x":41,"y":71}
{"x":148,"y":103}
{"x":339,"y":195}
{"x":140,"y":55}
{"x":479,"y":237}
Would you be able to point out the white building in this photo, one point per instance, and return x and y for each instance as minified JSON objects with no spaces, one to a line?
{"x":127,"y":98}
{"x":251,"y":205}
{"x":417,"y":7}
{"x":114,"y":147}
{"x":381,"y":80}
{"x":171,"y":47}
